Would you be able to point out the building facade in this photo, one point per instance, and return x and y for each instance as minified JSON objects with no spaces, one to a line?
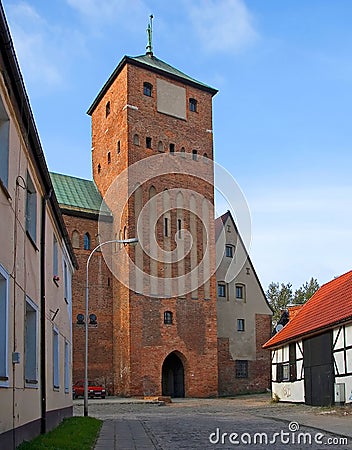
{"x":312,"y":353}
{"x":36,"y":267}
{"x":243,"y":315}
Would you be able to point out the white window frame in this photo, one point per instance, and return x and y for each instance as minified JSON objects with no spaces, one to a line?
{"x":4,"y":331}
{"x":31,"y":348}
{"x":56,"y":359}
{"x":67,"y":367}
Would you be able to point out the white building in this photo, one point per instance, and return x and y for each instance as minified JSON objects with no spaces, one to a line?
{"x":312,"y":354}
{"x":36,"y":265}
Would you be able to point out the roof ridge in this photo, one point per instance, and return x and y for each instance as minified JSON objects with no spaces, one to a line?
{"x":70,"y":176}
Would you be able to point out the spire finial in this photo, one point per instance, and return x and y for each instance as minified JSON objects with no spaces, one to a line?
{"x":150,"y":36}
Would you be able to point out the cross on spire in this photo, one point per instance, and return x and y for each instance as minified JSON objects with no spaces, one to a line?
{"x":150,"y":36}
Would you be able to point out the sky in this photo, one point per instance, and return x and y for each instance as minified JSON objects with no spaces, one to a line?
{"x":282,"y":116}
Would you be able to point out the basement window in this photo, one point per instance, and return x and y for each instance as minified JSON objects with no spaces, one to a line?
{"x":241,"y":368}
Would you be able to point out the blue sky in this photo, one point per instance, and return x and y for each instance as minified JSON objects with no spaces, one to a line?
{"x":282,"y":117}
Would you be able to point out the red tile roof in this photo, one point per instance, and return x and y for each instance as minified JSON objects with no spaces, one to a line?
{"x":330,"y":305}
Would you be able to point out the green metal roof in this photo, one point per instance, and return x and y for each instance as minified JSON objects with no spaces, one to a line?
{"x":77,"y":194}
{"x":156,"y":63}
{"x":150,"y":62}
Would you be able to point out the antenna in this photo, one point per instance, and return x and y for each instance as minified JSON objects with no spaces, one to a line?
{"x":150,"y":36}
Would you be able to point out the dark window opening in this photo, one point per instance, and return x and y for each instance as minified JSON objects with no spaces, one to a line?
{"x":168,"y":318}
{"x":240,"y":291}
{"x":172,"y":149}
{"x":107,"y":109}
{"x":166,"y":226}
{"x":193,"y":104}
{"x":118,"y":146}
{"x":194,"y":155}
{"x":229,"y":251}
{"x":179,"y":228}
{"x":221,"y":290}
{"x":241,"y":368}
{"x":86,"y":242}
{"x":147,"y":89}
{"x":99,"y":168}
{"x":148,"y":142}
{"x":240,"y":324}
{"x":109,"y":157}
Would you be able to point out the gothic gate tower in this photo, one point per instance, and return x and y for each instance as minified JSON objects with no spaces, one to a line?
{"x":152,"y":139}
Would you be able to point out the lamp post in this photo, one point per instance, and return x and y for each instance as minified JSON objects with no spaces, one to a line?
{"x":116,"y":241}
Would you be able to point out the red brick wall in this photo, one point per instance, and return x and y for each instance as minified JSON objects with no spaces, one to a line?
{"x":258,"y":370}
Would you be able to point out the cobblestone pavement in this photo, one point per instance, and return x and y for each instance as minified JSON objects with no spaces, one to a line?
{"x":217,"y":424}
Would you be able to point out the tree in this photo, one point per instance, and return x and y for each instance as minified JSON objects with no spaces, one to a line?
{"x":280,"y":296}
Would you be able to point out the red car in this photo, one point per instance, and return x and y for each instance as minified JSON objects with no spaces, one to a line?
{"x":94,"y":390}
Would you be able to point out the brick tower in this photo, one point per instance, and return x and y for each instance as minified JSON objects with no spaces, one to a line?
{"x":152,"y":138}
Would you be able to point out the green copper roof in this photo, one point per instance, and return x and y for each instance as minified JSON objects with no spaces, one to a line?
{"x":153,"y":62}
{"x":77,"y":194}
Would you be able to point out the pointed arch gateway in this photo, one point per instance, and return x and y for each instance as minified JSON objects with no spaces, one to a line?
{"x":173,"y":376}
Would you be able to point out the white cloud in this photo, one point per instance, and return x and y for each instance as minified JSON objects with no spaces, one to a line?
{"x":222,"y":25}
{"x":43,"y":49}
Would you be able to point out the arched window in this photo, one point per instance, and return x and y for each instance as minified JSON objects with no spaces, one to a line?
{"x":86,"y":242}
{"x":183,"y":152}
{"x":75,"y":239}
{"x":168,"y":318}
{"x":99,"y":168}
{"x":136,"y":139}
{"x":107,"y":109}
{"x":160,"y":146}
{"x":194,"y":155}
{"x":147,"y":89}
{"x":152,"y":191}
{"x":172,"y":149}
{"x":205,"y":157}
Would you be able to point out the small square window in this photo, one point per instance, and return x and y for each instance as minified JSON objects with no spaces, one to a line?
{"x":229,"y":251}
{"x":221,"y":290}
{"x":241,"y":368}
{"x":240,"y":324}
{"x":193,"y":104}
{"x":148,"y":142}
{"x":147,"y":89}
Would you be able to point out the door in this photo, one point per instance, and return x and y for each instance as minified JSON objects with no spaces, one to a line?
{"x":173,"y":376}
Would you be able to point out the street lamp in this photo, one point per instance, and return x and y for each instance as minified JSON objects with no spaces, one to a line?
{"x":116,"y":241}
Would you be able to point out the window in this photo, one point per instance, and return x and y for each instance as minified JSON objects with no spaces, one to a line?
{"x":241,"y":368}
{"x":179,"y":228}
{"x":147,"y":89}
{"x":183,"y":152}
{"x":229,"y":251}
{"x":221,"y":290}
{"x":240,"y":324}
{"x":205,"y":157}
{"x":67,"y":284}
{"x":56,"y":360}
{"x":4,"y":144}
{"x":168,"y":318}
{"x":55,"y":256}
{"x":75,"y":239}
{"x":240,"y":291}
{"x":86,"y":242}
{"x":109,"y":157}
{"x":148,"y":142}
{"x":4,"y":298}
{"x":99,"y":168}
{"x":107,"y":109}
{"x":119,"y":146}
{"x":292,"y":359}
{"x":67,"y":367}
{"x":160,"y":146}
{"x":166,"y":226}
{"x":136,"y":139}
{"x":194,"y":155}
{"x":172,"y":149}
{"x":31,"y":210}
{"x":193,"y":104}
{"x":30,"y":346}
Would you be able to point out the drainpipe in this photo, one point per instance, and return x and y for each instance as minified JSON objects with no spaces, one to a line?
{"x":42,"y":315}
